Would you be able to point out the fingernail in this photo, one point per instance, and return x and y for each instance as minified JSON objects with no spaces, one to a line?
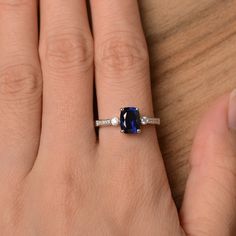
{"x":232,"y":110}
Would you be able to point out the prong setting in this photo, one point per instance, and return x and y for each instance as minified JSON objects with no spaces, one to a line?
{"x":130,"y":120}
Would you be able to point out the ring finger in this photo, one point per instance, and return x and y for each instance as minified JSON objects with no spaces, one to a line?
{"x":122,"y":65}
{"x":122,"y":79}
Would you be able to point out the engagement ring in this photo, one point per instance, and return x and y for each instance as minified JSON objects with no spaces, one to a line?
{"x":130,"y":121}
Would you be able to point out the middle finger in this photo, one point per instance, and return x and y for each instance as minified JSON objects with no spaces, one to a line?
{"x":66,"y":51}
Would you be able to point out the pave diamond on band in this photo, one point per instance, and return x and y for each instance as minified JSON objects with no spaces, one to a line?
{"x":130,"y":121}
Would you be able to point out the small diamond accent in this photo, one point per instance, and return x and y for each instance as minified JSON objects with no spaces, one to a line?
{"x":144,"y":120}
{"x":115,"y":121}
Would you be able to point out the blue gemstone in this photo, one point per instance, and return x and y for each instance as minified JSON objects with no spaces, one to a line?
{"x":130,"y":120}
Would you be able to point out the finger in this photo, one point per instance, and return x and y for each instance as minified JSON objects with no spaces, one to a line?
{"x":122,"y":79}
{"x":209,"y":207}
{"x":66,"y":51}
{"x":121,"y":58}
{"x":20,"y":87}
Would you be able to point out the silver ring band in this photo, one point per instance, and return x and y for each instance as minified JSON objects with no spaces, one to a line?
{"x":115,"y":121}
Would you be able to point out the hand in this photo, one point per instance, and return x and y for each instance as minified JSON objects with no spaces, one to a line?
{"x":56,"y":176}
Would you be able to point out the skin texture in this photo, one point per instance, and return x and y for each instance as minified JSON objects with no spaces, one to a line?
{"x":57,"y":176}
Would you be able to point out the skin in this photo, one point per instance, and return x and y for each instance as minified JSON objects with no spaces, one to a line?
{"x":57,"y":177}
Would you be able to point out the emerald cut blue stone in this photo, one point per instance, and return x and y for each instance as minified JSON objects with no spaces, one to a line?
{"x":130,"y":120}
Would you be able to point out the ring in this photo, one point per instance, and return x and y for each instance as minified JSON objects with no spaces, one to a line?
{"x":130,"y":121}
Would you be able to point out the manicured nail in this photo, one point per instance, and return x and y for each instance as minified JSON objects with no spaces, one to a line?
{"x":232,"y":110}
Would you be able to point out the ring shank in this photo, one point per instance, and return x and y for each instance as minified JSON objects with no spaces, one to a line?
{"x":153,"y":121}
{"x":144,"y":121}
{"x":104,"y":122}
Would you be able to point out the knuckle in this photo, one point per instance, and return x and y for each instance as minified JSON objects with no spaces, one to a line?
{"x":135,"y":183}
{"x":8,"y":4}
{"x":12,"y":211}
{"x":64,"y":198}
{"x":69,"y":51}
{"x":20,"y":82}
{"x":122,"y":53}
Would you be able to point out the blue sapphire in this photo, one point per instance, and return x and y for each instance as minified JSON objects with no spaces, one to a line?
{"x":130,"y":120}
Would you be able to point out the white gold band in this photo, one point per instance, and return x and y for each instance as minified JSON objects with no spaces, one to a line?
{"x":115,"y":121}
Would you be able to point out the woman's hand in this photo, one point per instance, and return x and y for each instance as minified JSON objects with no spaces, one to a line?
{"x":56,"y":176}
